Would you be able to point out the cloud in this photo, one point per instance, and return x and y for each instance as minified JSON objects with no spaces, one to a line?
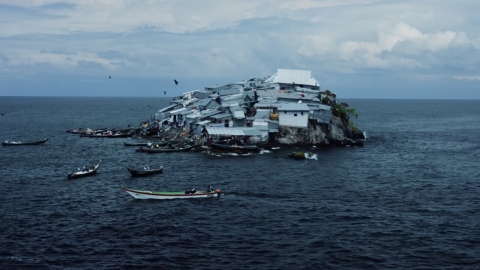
{"x":467,"y":78}
{"x":235,"y":40}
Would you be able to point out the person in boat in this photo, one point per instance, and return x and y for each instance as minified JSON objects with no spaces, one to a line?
{"x":149,"y":144}
{"x":210,"y":189}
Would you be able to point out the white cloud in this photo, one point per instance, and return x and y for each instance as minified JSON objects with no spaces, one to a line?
{"x":248,"y":38}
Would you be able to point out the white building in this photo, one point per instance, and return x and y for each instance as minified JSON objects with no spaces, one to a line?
{"x":302,"y":78}
{"x":293,"y":115}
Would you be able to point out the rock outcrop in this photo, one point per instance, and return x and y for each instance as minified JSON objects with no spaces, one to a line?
{"x":335,"y":134}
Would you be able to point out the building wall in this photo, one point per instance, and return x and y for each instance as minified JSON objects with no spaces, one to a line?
{"x":293,"y":118}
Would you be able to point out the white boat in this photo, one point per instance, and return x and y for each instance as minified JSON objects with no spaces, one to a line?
{"x":146,"y":194}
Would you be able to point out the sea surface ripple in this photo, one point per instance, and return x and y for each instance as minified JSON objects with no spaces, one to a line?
{"x":408,"y":199}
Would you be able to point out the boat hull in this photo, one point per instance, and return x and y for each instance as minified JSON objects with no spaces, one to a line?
{"x":145,"y":172}
{"x":163,"y":150}
{"x":25,"y":143}
{"x":144,"y":143}
{"x":83,"y":173}
{"x":145,"y":194}
{"x":123,"y":135}
{"x":235,"y":148}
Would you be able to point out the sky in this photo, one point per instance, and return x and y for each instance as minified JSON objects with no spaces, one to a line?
{"x":421,"y":49}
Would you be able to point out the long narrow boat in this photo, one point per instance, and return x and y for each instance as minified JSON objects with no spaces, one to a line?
{"x":161,"y":195}
{"x":145,"y":143}
{"x":18,"y":143}
{"x":106,"y":135}
{"x":145,"y":171}
{"x":167,"y":150}
{"x":241,"y":148}
{"x":76,"y":131}
{"x":84,"y":172}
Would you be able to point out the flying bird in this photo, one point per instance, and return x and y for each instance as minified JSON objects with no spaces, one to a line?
{"x":109,"y":77}
{"x":176,"y":82}
{"x":165,"y":92}
{"x":149,"y":106}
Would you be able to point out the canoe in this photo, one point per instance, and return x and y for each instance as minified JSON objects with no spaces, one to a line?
{"x":84,"y":172}
{"x":167,"y":150}
{"x":106,"y":135}
{"x":76,"y":131}
{"x":135,"y":144}
{"x":161,"y":195}
{"x":241,"y":148}
{"x":18,"y":143}
{"x":145,"y":171}
{"x":144,"y":143}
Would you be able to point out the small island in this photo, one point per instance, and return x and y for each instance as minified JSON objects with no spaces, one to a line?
{"x":286,"y":109}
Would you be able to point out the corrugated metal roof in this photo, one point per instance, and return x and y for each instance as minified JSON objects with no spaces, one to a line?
{"x":294,"y":107}
{"x":233,"y":131}
{"x":203,"y":91}
{"x":204,"y":122}
{"x":231,"y":91}
{"x":204,"y":102}
{"x":168,"y":108}
{"x":266,"y":105}
{"x":316,"y":106}
{"x":292,"y":76}
{"x":239,"y":114}
{"x":177,"y":110}
{"x":223,"y":115}
{"x":188,"y":112}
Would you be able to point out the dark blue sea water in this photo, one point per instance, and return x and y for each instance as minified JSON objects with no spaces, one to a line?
{"x":409,"y":199}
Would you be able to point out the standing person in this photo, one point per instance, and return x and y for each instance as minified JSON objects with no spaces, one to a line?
{"x":210,"y":189}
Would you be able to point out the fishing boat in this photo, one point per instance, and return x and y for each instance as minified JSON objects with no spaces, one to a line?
{"x":18,"y":143}
{"x":107,"y":135}
{"x":84,"y":172}
{"x":184,"y":148}
{"x":141,"y":149}
{"x":135,"y":144}
{"x":235,"y":148}
{"x":76,"y":131}
{"x":145,"y":194}
{"x":145,"y":143}
{"x":145,"y":171}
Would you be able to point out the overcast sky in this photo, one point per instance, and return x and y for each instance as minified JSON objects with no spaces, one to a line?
{"x":355,"y":48}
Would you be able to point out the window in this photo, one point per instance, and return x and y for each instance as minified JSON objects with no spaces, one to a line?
{"x":302,"y":113}
{"x":294,"y":114}
{"x":285,"y":111}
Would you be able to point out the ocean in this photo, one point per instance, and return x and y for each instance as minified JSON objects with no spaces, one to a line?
{"x":408,"y":199}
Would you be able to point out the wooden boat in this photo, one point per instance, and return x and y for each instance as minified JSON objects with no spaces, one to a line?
{"x":184,"y":148}
{"x":76,"y":131}
{"x":84,"y":172}
{"x":145,"y":143}
{"x":145,"y":194}
{"x":145,"y":171}
{"x":106,"y":135}
{"x":18,"y":143}
{"x":135,"y":144}
{"x":142,"y":149}
{"x":235,"y":148}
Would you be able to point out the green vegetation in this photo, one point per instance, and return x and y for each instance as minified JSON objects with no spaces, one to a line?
{"x":299,"y":155}
{"x":343,"y":112}
{"x":325,"y":98}
{"x":339,"y":110}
